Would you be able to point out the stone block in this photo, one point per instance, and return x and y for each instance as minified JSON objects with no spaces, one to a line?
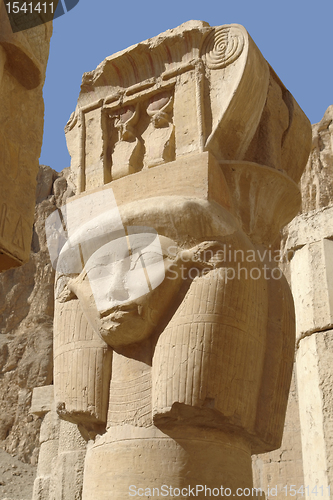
{"x":48,"y":451}
{"x":314,"y":377}
{"x":50,"y":427}
{"x":67,"y":477}
{"x":41,"y":488}
{"x":312,"y":286}
{"x":42,"y":400}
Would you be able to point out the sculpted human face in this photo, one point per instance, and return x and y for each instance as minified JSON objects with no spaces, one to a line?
{"x":111,"y":294}
{"x":127,"y":277}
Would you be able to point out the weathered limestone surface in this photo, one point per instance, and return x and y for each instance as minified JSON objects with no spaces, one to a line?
{"x":311,"y":251}
{"x":26,"y":328}
{"x":172,"y":358}
{"x":16,"y":478}
{"x":68,"y":465}
{"x":43,"y":406}
{"x":23,"y":59}
{"x":284,"y":466}
{"x":314,"y":369}
{"x":309,"y":236}
{"x":308,"y":242}
{"x":316,"y":183}
{"x":62,"y":451}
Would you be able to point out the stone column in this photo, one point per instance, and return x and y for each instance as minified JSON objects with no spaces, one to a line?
{"x":149,"y":459}
{"x":174,"y":327}
{"x":43,"y":405}
{"x":2,"y":62}
{"x":67,"y":468}
{"x":312,"y":280}
{"x":23,"y":59}
{"x":310,"y":246}
{"x":62,"y":452}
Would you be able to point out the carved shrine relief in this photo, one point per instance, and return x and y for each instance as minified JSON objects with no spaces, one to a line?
{"x":161,"y":146}
{"x":141,"y":135}
{"x":126,"y":156}
{"x":157,"y":103}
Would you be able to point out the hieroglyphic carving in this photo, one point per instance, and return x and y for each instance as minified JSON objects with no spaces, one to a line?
{"x":18,"y":237}
{"x":224,"y":59}
{"x":9,"y":157}
{"x":3,"y":219}
{"x":13,"y":228}
{"x":23,"y":57}
{"x":118,"y":140}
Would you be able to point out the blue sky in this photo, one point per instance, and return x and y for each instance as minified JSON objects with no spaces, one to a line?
{"x":294,"y":36}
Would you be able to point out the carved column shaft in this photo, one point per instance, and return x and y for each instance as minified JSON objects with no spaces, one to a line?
{"x":186,"y":158}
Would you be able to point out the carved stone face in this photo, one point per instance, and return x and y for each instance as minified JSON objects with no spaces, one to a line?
{"x":126,"y":277}
{"x":113,"y":313}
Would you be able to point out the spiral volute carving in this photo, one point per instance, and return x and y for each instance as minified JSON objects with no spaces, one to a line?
{"x":222,"y":47}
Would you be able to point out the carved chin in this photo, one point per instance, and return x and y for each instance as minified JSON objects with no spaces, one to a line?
{"x":124,"y":328}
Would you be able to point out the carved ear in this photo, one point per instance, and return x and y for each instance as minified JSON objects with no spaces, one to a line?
{"x":239,"y":77}
{"x":62,"y":292}
{"x":80,"y":287}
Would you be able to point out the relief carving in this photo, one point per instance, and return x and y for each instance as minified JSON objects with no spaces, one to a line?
{"x":23,"y":58}
{"x":18,"y":238}
{"x":160,"y":134}
{"x":141,"y":135}
{"x":3,"y":219}
{"x":127,"y":152}
{"x":170,"y":273}
{"x":222,"y":46}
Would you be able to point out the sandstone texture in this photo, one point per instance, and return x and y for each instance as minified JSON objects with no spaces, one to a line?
{"x":312,"y":288}
{"x":26,"y":328}
{"x":307,"y":242}
{"x":316,"y":183}
{"x":23,"y":59}
{"x":16,"y":478}
{"x":284,"y":466}
{"x":197,"y":382}
{"x":172,"y":359}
